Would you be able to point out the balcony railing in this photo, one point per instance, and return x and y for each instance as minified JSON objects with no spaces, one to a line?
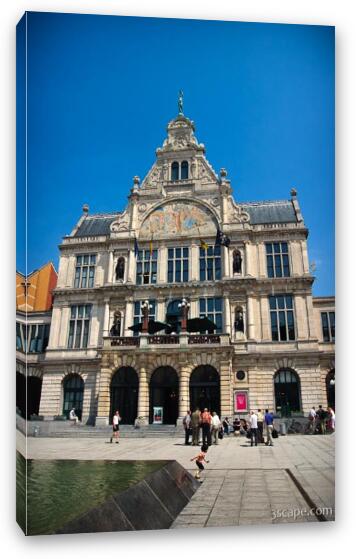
{"x":204,"y":339}
{"x":160,"y":340}
{"x":124,"y":341}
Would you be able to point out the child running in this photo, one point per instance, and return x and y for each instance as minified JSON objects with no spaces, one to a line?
{"x":199,"y":459}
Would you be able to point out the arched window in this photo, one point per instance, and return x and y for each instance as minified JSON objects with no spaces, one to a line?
{"x":237,"y":262}
{"x":73,"y":390}
{"x":164,"y":393}
{"x":115,"y":329}
{"x":175,"y":171}
{"x":239,"y":320}
{"x":287,"y":392}
{"x":204,"y":389}
{"x":120,"y":269}
{"x":184,"y":170}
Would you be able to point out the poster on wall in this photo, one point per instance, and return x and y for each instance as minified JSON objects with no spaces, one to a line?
{"x":241,"y":401}
{"x":158,"y":415}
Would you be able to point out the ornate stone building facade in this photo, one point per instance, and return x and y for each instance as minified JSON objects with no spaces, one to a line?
{"x":182,"y":237}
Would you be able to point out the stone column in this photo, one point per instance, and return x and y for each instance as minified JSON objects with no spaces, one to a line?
{"x":225,"y":390}
{"x":131,"y":267}
{"x":103,"y":412}
{"x":227,"y":316}
{"x":301,"y":318}
{"x":194,"y":272}
{"x":248,"y":264}
{"x":106,"y":318}
{"x":143,"y":398}
{"x":128,"y":318}
{"x":184,"y":403}
{"x":250,"y":319}
{"x":265,"y":319}
{"x":262,"y":269}
{"x":226,"y":262}
{"x":162,"y":265}
{"x":109,"y":278}
{"x":303,"y":245}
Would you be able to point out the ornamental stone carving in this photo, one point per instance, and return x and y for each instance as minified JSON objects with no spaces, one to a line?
{"x":235,"y":213}
{"x":121,"y":223}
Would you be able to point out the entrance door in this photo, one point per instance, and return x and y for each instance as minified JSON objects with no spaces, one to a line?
{"x":287,"y":392}
{"x":204,"y":388}
{"x":164,"y":392}
{"x":330,"y":388}
{"x":73,"y":390}
{"x":124,"y":395}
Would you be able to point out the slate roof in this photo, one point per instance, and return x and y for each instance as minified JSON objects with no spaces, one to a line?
{"x":271,"y":211}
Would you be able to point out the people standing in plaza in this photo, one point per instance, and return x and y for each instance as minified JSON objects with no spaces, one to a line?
{"x":311,"y":420}
{"x":322,"y":416}
{"x":260,"y":419}
{"x":115,"y":427}
{"x":269,"y":427}
{"x":187,"y":426}
{"x":236,"y":425}
{"x":215,"y":427}
{"x":331,"y":419}
{"x":195,"y":423}
{"x":200,"y":459}
{"x":226,"y":426}
{"x":206,"y":426}
{"x":253,"y":427}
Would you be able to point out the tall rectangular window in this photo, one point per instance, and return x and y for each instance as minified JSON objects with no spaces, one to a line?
{"x":79,"y":326}
{"x":146,"y":267}
{"x":38,"y":337}
{"x":328,"y":326}
{"x":282,"y":318}
{"x":211,"y":307}
{"x":85,"y":270}
{"x":138,"y":312}
{"x":277,"y":260}
{"x":178,"y":265}
{"x":210,"y":263}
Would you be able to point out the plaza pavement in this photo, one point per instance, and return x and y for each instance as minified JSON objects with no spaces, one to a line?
{"x":241,"y":484}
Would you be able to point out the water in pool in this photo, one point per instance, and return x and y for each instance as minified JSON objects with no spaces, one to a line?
{"x":61,"y":490}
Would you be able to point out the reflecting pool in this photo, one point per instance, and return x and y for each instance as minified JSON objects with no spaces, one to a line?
{"x":60,"y":490}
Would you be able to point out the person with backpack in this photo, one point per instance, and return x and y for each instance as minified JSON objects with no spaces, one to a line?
{"x":322,"y":417}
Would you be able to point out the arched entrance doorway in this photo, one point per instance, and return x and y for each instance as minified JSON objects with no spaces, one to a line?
{"x":33,"y":389}
{"x":204,"y":388}
{"x":73,"y":390}
{"x":124,"y":394}
{"x":330,"y":388}
{"x":287,"y":392}
{"x":164,"y":393}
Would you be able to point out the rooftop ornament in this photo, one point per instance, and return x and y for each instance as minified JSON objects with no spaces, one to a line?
{"x":180,"y":103}
{"x":85,"y":209}
{"x":293,"y":193}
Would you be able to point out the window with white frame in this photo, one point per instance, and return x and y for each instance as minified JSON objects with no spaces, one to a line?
{"x":85,"y":270}
{"x":210,"y":263}
{"x":277,"y":260}
{"x":179,"y":171}
{"x":32,"y":338}
{"x":146,"y":267}
{"x":211,"y":307}
{"x":178,"y":265}
{"x":79,"y":324}
{"x":282,"y":317}
{"x":328,"y":326}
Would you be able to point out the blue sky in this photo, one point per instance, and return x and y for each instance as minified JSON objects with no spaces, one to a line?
{"x":102,"y":89}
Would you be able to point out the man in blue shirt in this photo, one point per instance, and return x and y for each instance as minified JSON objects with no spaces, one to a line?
{"x":269,"y":427}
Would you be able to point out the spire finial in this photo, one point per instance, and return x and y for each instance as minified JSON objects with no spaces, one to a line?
{"x":180,"y":102}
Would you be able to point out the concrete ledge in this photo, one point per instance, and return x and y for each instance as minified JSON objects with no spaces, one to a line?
{"x":152,"y":504}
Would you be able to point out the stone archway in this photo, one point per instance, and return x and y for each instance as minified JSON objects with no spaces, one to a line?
{"x":124,"y":395}
{"x":287,"y":392}
{"x":204,"y":389}
{"x":164,"y":393}
{"x":28,"y":394}
{"x":73,"y":392}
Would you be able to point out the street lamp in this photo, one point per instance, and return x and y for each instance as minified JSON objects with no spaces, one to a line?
{"x":184,"y":306}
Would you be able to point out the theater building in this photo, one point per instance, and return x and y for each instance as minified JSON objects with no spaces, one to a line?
{"x":184,"y":249}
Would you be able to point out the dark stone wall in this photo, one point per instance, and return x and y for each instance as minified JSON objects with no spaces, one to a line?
{"x":152,"y":504}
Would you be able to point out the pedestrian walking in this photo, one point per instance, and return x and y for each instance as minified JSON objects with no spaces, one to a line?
{"x":269,"y":427}
{"x":200,"y":459}
{"x":226,"y":426}
{"x":253,"y":427}
{"x":206,"y":426}
{"x":331,"y":419}
{"x":115,"y":427}
{"x":215,"y":427}
{"x":195,"y":422}
{"x":311,"y":420}
{"x":187,"y":426}
{"x":322,"y":416}
{"x":260,"y":420}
